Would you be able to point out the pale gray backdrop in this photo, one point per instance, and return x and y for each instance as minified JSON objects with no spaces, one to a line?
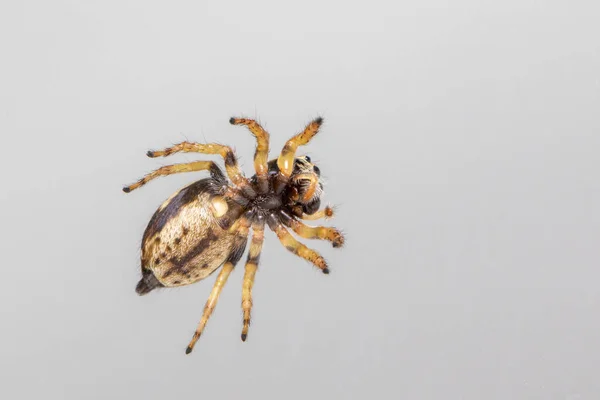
{"x":461,"y":142}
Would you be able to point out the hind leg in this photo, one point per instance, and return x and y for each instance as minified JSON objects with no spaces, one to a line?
{"x":232,"y":260}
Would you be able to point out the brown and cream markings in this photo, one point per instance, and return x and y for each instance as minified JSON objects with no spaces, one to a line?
{"x":205,"y":225}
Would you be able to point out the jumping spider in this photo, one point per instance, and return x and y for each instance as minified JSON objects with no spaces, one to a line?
{"x":205,"y":225}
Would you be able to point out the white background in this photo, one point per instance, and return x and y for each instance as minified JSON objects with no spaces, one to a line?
{"x":461,"y":142}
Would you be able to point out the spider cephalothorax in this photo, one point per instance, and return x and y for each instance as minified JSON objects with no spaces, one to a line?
{"x":205,"y":225}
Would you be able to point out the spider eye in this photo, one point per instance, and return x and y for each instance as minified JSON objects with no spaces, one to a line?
{"x":317,"y":170}
{"x":307,"y":158}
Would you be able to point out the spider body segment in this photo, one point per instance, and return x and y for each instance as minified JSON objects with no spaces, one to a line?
{"x":206,"y":224}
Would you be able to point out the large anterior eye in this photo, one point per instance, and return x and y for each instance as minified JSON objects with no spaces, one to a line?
{"x":307,"y":158}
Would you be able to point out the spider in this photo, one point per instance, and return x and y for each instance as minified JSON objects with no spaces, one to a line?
{"x":206,"y":224}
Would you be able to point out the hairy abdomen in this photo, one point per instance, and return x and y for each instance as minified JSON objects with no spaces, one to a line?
{"x":183,"y":242}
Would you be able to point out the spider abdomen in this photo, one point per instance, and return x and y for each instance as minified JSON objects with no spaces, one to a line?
{"x":183,"y":242}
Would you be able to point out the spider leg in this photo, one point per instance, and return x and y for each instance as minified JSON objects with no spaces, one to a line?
{"x":231,"y":164}
{"x":232,"y":260}
{"x":314,"y":232}
{"x":258,"y":235}
{"x":326,"y":213}
{"x":211,"y":303}
{"x":262,"y":150}
{"x":285,"y":162}
{"x":299,"y":249}
{"x":214,"y":169}
{"x":236,"y":196}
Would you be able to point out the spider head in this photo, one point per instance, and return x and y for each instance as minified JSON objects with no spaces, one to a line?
{"x":306,"y":181}
{"x":304,"y":187}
